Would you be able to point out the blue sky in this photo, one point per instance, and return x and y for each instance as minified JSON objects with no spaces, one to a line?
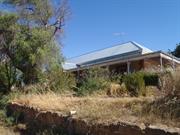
{"x":96,"y":24}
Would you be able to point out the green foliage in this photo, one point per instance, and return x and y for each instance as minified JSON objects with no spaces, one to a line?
{"x":11,"y":120}
{"x":60,"y":81}
{"x":151,"y":79}
{"x":7,"y":121}
{"x":116,"y":78}
{"x":4,"y":99}
{"x":33,"y":52}
{"x":176,"y":52}
{"x":27,"y":50}
{"x":7,"y":69}
{"x":27,"y":44}
{"x":94,"y":79}
{"x":135,"y":83}
{"x":91,"y":85}
{"x":7,"y":76}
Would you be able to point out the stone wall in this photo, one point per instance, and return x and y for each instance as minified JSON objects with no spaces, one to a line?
{"x":75,"y":126}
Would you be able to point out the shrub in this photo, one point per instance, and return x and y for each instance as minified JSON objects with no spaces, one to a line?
{"x":176,"y":78}
{"x":38,"y":88}
{"x":169,"y":82}
{"x":7,"y":76}
{"x":4,"y":99}
{"x":151,"y":79}
{"x":166,"y":82}
{"x":165,"y":108}
{"x":94,"y":79}
{"x":60,"y":81}
{"x":116,"y":78}
{"x":55,"y":80}
{"x":135,"y":83}
{"x":91,"y":85}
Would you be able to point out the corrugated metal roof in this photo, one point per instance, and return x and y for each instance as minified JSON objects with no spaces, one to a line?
{"x":126,"y":49}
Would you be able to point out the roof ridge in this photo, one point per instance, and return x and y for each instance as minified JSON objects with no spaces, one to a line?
{"x":140,"y":46}
{"x":100,"y":49}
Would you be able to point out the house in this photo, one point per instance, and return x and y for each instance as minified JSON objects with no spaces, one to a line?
{"x":127,"y":57}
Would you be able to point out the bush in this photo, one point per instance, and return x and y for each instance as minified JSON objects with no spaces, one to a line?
{"x":38,"y":88}
{"x":4,"y":99}
{"x":176,"y":79}
{"x":116,"y":78}
{"x":91,"y":85}
{"x":94,"y":79}
{"x":151,"y":79}
{"x":165,"y":108}
{"x":7,"y":76}
{"x":55,"y":80}
{"x":135,"y":84}
{"x":60,"y":81}
{"x":166,"y":82}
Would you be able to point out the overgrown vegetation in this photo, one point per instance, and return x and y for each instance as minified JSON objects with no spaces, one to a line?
{"x":100,"y":80}
{"x":30,"y":65}
{"x":4,"y":100}
{"x":105,"y":110}
{"x":151,"y":79}
{"x":30,"y":56}
{"x":117,"y":90}
{"x":168,"y":106}
{"x":28,"y":48}
{"x":60,"y":81}
{"x":95,"y":79}
{"x":135,"y":84}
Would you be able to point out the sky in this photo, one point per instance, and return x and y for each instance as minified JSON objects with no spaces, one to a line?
{"x":98,"y":24}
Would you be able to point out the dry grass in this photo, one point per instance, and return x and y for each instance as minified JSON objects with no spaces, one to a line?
{"x":96,"y":109}
{"x":117,"y":90}
{"x":176,"y":77}
{"x":90,"y":108}
{"x":7,"y":131}
{"x":102,"y":108}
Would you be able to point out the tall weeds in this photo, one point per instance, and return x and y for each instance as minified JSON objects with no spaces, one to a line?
{"x":95,"y":79}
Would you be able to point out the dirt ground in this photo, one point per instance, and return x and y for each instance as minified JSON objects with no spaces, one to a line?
{"x":95,"y":109}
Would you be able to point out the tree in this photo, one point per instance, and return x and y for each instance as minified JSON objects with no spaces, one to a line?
{"x":176,"y":52}
{"x":7,"y":76}
{"x":27,"y":41}
{"x":7,"y":70}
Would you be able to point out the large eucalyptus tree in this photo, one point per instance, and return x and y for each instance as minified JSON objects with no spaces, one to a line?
{"x":28,"y":36}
